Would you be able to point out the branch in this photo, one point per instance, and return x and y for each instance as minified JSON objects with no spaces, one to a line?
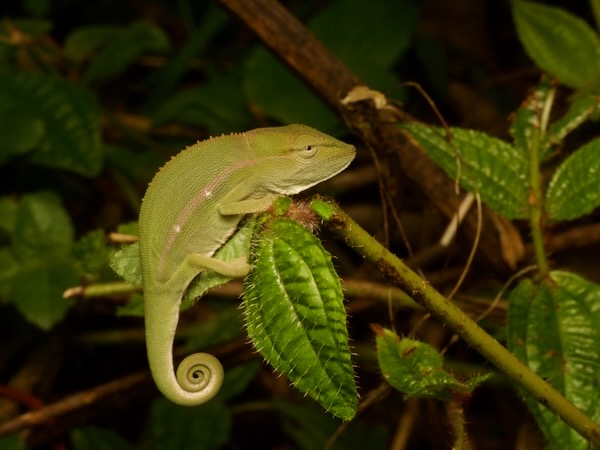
{"x":449,"y":314}
{"x":332,"y":81}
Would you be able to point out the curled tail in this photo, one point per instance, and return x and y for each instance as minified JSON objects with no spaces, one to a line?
{"x":199,"y":376}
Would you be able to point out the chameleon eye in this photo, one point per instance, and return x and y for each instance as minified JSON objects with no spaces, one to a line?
{"x":308,"y":151}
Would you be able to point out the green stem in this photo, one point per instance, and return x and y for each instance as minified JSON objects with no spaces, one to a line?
{"x":400,"y":275}
{"x":595,"y":4}
{"x":536,"y":203}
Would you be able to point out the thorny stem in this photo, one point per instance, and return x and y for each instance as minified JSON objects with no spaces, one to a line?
{"x":449,"y":314}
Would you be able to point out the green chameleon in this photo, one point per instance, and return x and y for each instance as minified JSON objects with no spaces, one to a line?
{"x":192,"y":206}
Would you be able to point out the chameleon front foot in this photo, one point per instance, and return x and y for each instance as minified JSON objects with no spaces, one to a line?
{"x":200,"y":373}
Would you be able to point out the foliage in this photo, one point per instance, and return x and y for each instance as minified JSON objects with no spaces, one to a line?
{"x":91,"y":107}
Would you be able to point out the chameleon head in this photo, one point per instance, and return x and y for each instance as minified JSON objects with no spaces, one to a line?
{"x":300,"y":155}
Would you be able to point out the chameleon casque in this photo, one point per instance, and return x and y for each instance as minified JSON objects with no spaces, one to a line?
{"x":192,"y":206}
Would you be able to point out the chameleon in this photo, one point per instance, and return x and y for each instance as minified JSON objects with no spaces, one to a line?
{"x":192,"y":206}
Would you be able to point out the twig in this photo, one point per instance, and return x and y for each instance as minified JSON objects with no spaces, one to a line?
{"x":453,"y":317}
{"x":72,"y":403}
{"x":333,"y":81}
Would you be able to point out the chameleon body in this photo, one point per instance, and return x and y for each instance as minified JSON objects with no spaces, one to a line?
{"x":192,"y":206}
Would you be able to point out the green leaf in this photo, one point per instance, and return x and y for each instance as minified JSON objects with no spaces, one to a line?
{"x":225,"y":325}
{"x":96,"y":438}
{"x":526,"y":122}
{"x":83,"y":42}
{"x":9,"y":268}
{"x":495,"y":169}
{"x":39,"y":266}
{"x":126,"y":264}
{"x":295,"y":315}
{"x":92,"y":253}
{"x":19,"y":133}
{"x":165,"y":80}
{"x":37,"y":290}
{"x":554,"y":327}
{"x":416,"y":369}
{"x":43,"y":229}
{"x":219,"y":106}
{"x":63,"y":119}
{"x":8,"y":215}
{"x":559,"y":43}
{"x":574,"y":189}
{"x":581,"y":110}
{"x":124,"y":48}
{"x":238,"y":246}
{"x":238,"y":379}
{"x":175,"y":427}
{"x":12,"y":442}
{"x":357,"y":32}
{"x":310,"y":429}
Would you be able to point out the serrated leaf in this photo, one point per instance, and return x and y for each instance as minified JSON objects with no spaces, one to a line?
{"x":489,"y":166}
{"x":174,"y":427}
{"x":66,"y":113}
{"x":559,"y":43}
{"x":295,"y":315}
{"x":125,"y":48}
{"x":574,"y":189}
{"x":96,"y":438}
{"x":554,"y":327}
{"x":416,"y":368}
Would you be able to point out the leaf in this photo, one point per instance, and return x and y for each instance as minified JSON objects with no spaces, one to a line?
{"x":238,"y":246}
{"x":164,"y":81}
{"x":92,"y":253}
{"x":39,"y":266}
{"x":357,"y":32}
{"x":225,"y":325}
{"x":489,"y":166}
{"x":295,"y":315}
{"x":8,"y":215}
{"x":175,"y":427}
{"x":554,"y":327}
{"x":574,"y":189}
{"x":124,"y":48}
{"x":96,"y":438}
{"x":526,"y":122}
{"x":309,"y":428}
{"x":219,"y":106}
{"x":416,"y":368}
{"x":126,"y":264}
{"x":580,"y":110}
{"x":37,"y":290}
{"x":12,"y":442}
{"x":64,"y":120}
{"x":559,"y":43}
{"x":43,"y":229}
{"x":83,"y":42}
{"x":18,"y":132}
